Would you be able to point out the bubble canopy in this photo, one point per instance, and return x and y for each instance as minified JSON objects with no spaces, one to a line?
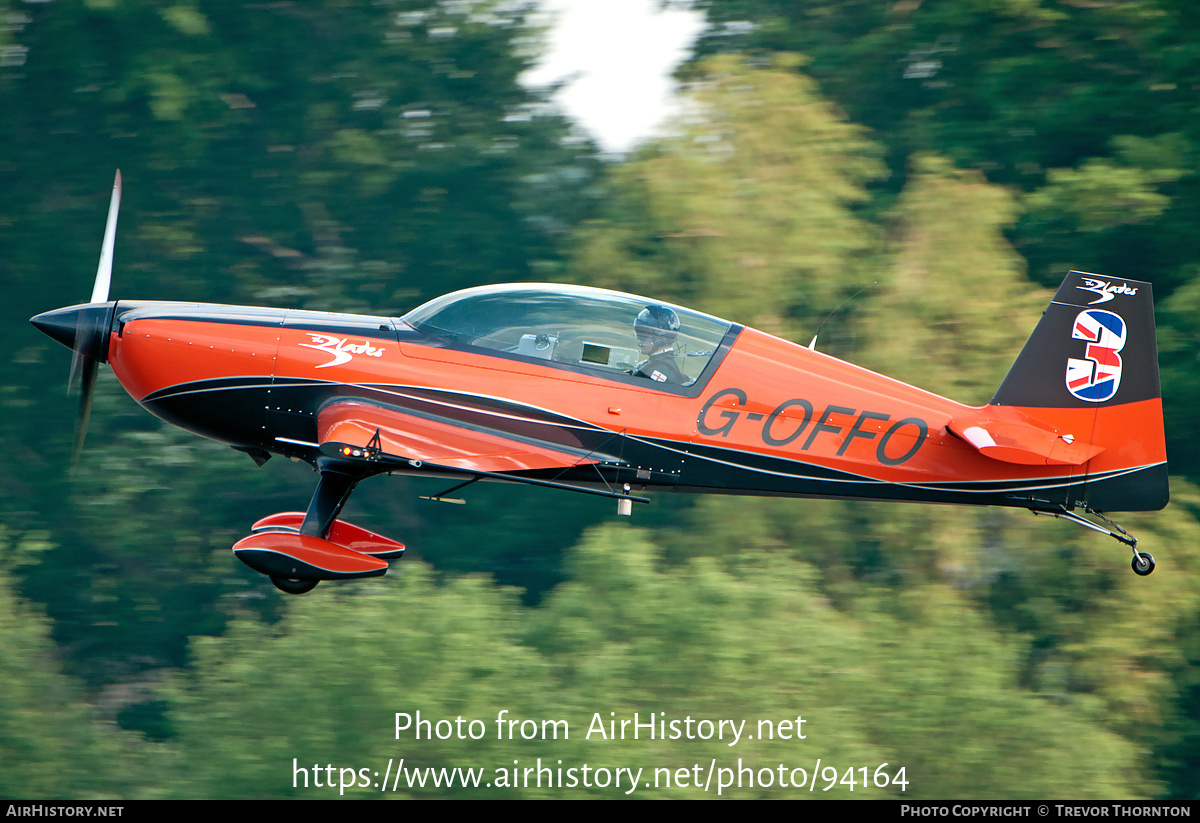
{"x":573,"y":326}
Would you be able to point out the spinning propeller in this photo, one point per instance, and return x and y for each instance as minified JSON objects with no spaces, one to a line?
{"x":84,"y":329}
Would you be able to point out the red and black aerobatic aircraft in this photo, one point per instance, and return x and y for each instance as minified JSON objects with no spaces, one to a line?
{"x":605,"y":393}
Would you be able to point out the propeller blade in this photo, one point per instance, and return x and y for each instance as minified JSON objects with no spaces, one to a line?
{"x":91,"y":330}
{"x":85,"y":407}
{"x":77,"y":361}
{"x":104,"y":270}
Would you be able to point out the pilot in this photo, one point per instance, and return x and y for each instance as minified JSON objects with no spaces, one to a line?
{"x":656,"y":328}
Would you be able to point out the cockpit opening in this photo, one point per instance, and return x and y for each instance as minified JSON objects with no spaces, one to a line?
{"x":595,"y":330}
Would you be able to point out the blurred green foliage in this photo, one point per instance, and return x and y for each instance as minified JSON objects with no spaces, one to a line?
{"x":950,"y":157}
{"x":754,"y":640}
{"x":51,"y":743}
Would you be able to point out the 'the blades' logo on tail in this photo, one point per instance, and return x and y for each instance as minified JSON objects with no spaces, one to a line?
{"x":1105,"y":290}
{"x":1097,"y":378}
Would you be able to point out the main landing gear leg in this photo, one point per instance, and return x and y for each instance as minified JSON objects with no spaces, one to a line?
{"x":333,"y":490}
{"x":1143,"y":562}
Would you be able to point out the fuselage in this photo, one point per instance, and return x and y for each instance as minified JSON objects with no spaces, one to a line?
{"x":763,"y":416}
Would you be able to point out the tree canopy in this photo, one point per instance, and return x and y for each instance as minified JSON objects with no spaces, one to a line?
{"x":907,"y":177}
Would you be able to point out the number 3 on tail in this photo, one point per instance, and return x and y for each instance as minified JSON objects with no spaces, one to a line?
{"x":1096,"y":378}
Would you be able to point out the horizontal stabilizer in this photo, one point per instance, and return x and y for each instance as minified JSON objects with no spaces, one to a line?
{"x":1011,"y":441}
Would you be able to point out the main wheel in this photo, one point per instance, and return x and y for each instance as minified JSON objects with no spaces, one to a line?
{"x":1143,"y":563}
{"x":305,"y":586}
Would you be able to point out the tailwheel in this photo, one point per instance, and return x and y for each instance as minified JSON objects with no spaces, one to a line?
{"x":306,"y":586}
{"x":1143,"y":563}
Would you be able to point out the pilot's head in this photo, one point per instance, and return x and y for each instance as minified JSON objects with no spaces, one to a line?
{"x":656,"y":328}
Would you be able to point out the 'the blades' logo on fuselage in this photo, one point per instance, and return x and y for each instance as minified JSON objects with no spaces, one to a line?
{"x":1097,"y":378}
{"x":341,"y":350}
{"x":1106,"y":290}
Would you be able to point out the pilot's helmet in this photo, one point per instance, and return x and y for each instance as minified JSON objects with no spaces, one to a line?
{"x":658,"y":323}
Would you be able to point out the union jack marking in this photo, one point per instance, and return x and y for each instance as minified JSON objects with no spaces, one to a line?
{"x":1097,"y":377}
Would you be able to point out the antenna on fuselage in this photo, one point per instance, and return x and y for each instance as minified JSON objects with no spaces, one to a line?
{"x":812,"y":345}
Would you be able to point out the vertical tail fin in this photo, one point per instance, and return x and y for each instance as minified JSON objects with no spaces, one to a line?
{"x":1091,"y":366}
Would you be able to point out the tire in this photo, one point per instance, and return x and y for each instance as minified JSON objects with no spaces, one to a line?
{"x":294,"y":586}
{"x":1143,"y":564}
